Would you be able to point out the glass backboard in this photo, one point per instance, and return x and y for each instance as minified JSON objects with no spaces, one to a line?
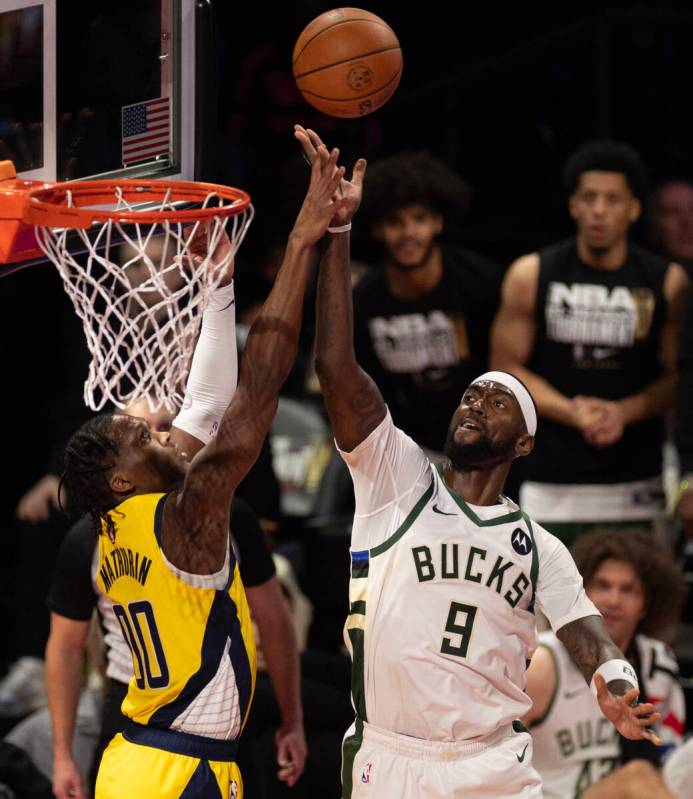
{"x":100,"y":89}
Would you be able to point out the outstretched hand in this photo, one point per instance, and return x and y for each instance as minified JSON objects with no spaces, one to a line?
{"x":349,"y":191}
{"x":631,"y":720}
{"x":321,"y":202}
{"x":198,"y":250}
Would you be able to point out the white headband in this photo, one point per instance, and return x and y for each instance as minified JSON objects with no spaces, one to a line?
{"x":523,"y":397}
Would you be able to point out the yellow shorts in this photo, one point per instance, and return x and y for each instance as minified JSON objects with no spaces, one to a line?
{"x":129,"y":770}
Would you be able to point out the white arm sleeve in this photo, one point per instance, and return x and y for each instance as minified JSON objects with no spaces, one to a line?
{"x":214,"y":369}
{"x":560,"y":593}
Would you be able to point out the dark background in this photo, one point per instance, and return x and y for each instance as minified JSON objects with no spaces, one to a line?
{"x":502,"y":96}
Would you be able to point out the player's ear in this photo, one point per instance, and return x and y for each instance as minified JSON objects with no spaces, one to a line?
{"x":119,"y":482}
{"x":572,"y":206}
{"x":635,"y":210}
{"x":524,"y":445}
{"x":437,"y":222}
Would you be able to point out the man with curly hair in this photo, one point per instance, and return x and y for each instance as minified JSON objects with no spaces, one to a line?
{"x":638,"y":589}
{"x":421,"y":321}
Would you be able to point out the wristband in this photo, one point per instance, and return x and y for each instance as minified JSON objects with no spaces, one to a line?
{"x":615,"y":670}
{"x":340,"y":228}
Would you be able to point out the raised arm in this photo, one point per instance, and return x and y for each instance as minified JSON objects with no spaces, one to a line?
{"x":214,"y":369}
{"x":195,"y":529}
{"x":354,"y":402}
{"x":590,"y":646}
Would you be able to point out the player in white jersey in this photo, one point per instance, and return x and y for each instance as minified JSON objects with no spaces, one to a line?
{"x":637,"y":587}
{"x":446,"y":574}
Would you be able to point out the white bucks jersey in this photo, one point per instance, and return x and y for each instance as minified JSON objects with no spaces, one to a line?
{"x":442,"y":597}
{"x":574,"y":745}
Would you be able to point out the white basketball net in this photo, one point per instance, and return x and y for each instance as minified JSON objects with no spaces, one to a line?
{"x":140,"y":298}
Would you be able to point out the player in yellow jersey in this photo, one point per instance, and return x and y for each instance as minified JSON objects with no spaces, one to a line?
{"x":162,"y":503}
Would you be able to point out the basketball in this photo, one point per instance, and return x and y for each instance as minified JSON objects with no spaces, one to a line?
{"x":347,"y":62}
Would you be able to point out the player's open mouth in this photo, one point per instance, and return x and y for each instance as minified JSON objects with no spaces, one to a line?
{"x":468,"y":424}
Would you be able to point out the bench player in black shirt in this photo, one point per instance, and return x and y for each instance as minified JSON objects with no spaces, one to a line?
{"x":590,"y":325}
{"x":421,"y":322}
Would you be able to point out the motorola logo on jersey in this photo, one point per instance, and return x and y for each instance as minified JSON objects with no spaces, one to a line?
{"x":522,"y":543}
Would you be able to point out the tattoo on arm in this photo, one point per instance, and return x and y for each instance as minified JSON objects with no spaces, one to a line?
{"x":589,"y":645}
{"x":368,"y":409}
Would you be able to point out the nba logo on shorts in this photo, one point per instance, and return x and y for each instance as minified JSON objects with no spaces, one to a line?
{"x":366,"y":776}
{"x":234,"y":789}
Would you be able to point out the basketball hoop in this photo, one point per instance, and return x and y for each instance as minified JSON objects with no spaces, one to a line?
{"x":136,"y":283}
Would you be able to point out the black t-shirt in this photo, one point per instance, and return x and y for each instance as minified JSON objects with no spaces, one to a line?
{"x":422,"y":353}
{"x":72,"y":591}
{"x":598,"y":335}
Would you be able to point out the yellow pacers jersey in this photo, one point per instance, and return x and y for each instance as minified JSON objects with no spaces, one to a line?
{"x":190,"y":635}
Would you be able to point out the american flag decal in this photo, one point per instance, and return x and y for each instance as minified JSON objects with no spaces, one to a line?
{"x":146,"y":130}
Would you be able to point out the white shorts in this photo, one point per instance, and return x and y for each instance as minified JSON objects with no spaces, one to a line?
{"x":377,"y":764}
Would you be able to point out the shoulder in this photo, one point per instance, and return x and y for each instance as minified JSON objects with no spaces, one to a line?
{"x":676,"y":281}
{"x":82,"y":534}
{"x":557,"y":253}
{"x":644,"y":256}
{"x":658,"y":272}
{"x":549,"y":548}
{"x":522,"y":277}
{"x":77,"y":548}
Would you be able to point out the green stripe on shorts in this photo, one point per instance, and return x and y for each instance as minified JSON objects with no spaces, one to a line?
{"x":350,"y":747}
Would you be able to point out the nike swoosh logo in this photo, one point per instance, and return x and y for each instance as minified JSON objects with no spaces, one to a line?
{"x":521,"y":757}
{"x":573,"y":694}
{"x":436,"y":509}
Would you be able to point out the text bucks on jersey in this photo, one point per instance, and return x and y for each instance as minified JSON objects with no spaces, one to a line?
{"x":444,"y":607}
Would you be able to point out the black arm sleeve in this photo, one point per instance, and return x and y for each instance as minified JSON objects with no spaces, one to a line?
{"x":255,"y":561}
{"x":72,"y":592}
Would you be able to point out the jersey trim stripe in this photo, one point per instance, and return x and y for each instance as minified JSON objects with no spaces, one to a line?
{"x":534,"y":568}
{"x":358,"y":688}
{"x":469,"y":513}
{"x":406,"y":524}
{"x":359,"y":568}
{"x":350,"y":748}
{"x":222,"y":617}
{"x":203,"y":784}
{"x":159,"y":519}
